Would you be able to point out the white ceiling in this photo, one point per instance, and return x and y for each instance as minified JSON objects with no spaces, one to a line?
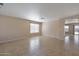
{"x":34,"y":11}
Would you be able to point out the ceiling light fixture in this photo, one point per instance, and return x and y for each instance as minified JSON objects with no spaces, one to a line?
{"x":1,"y":4}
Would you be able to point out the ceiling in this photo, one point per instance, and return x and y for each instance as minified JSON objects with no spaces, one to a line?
{"x":38,"y":11}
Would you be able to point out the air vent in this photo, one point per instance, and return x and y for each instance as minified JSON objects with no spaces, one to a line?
{"x":42,"y":18}
{"x":1,"y":4}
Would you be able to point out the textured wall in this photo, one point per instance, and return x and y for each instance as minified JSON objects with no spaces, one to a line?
{"x":12,"y":28}
{"x":54,"y":29}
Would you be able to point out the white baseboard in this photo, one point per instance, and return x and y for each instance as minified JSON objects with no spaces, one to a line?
{"x":54,"y":37}
{"x":13,"y":39}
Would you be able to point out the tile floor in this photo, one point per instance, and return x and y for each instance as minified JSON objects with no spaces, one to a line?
{"x":41,"y":46}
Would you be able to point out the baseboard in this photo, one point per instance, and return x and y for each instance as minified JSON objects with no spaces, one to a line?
{"x":13,"y":39}
{"x":54,"y":37}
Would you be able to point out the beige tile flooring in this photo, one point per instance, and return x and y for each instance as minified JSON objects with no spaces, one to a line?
{"x":41,"y":46}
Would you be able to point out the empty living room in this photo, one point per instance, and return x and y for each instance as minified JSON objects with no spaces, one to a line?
{"x":39,"y":29}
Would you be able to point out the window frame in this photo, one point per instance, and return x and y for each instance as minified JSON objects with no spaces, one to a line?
{"x":38,"y":26}
{"x":75,"y":28}
{"x":66,"y":28}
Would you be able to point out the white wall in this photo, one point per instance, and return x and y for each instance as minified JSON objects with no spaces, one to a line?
{"x":54,"y":29}
{"x":13,"y":28}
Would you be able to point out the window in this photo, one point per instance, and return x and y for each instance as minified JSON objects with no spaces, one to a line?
{"x":76,"y":29}
{"x":34,"y":28}
{"x":66,"y":28}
